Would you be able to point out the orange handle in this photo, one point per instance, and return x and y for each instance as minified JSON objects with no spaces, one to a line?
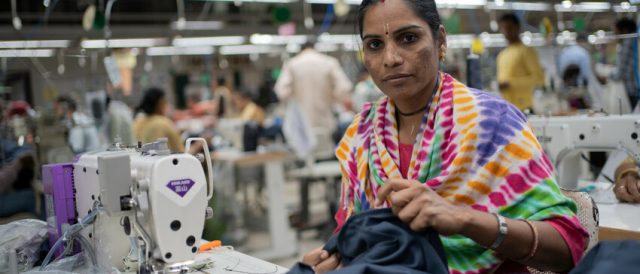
{"x":210,"y":245}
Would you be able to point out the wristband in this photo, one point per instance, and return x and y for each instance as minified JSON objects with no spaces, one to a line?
{"x":502,"y":232}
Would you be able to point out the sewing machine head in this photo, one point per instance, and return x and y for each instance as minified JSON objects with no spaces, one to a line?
{"x":153,"y":205}
{"x":563,"y":137}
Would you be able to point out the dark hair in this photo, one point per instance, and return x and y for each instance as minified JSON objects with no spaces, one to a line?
{"x":150,"y":101}
{"x":245,"y":93}
{"x":510,"y":18}
{"x":67,"y":103}
{"x":222,"y":81}
{"x":425,"y":9}
{"x":626,"y":25}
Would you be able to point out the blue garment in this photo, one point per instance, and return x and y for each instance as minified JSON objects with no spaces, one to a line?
{"x":377,"y":242}
{"x":620,"y":257}
{"x":626,"y":67}
{"x":10,"y":151}
{"x":16,"y":202}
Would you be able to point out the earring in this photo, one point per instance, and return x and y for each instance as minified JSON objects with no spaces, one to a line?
{"x":443,"y":56}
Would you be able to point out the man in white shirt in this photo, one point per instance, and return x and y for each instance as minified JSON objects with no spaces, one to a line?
{"x":315,"y":82}
{"x":83,"y":135}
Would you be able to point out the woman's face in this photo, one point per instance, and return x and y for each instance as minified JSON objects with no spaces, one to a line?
{"x":399,"y":50}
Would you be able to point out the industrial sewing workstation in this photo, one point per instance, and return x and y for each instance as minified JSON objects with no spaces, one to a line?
{"x":161,"y":136}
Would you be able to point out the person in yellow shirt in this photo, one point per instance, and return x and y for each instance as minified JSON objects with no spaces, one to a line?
{"x":249,"y":111}
{"x":519,"y":70}
{"x":152,"y":123}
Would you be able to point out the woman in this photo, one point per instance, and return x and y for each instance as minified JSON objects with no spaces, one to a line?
{"x":447,"y":157}
{"x":153,"y":124}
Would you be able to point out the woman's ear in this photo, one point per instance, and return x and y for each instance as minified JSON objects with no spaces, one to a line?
{"x":442,"y":43}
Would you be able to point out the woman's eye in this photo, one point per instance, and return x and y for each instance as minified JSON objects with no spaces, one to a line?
{"x":374,"y":44}
{"x":409,"y":38}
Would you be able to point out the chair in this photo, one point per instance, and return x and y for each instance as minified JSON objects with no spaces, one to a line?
{"x":319,"y":166}
{"x":588,"y":216}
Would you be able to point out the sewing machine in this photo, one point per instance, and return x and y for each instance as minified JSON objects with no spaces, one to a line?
{"x":563,"y":137}
{"x":151,"y":205}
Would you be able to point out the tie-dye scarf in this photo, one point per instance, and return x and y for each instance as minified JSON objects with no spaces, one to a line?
{"x":473,"y":149}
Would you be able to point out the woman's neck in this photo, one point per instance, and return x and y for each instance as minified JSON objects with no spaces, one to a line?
{"x":408,"y":128}
{"x":418,"y":101}
{"x":409,"y":125}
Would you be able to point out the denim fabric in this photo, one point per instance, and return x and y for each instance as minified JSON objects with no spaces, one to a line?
{"x":620,"y":257}
{"x":377,"y":242}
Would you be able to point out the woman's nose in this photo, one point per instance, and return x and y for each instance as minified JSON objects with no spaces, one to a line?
{"x":391,"y":57}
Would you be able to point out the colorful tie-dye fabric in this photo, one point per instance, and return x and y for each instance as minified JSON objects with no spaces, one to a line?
{"x":474,"y":149}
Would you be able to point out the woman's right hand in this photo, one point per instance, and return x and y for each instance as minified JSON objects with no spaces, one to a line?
{"x":627,"y":189}
{"x":321,"y":261}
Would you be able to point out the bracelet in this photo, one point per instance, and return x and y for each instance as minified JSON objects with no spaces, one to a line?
{"x":625,"y":172}
{"x":534,"y":246}
{"x":502,"y":231}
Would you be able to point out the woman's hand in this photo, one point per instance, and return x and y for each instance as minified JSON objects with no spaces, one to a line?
{"x":420,"y":207}
{"x":321,"y":261}
{"x":627,"y":189}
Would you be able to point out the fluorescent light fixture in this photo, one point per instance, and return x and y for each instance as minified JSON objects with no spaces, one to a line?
{"x":567,"y":6}
{"x":27,"y":44}
{"x":327,"y":2}
{"x":169,"y":51}
{"x":495,"y":40}
{"x":254,"y":1}
{"x":338,"y":38}
{"x":26,"y":53}
{"x":625,"y":7}
{"x":528,"y":6}
{"x":466,"y":4}
{"x":208,"y":41}
{"x":462,"y":4}
{"x":197,"y":25}
{"x":268,"y":39}
{"x":326,"y":47}
{"x":124,"y":43}
{"x":248,"y":49}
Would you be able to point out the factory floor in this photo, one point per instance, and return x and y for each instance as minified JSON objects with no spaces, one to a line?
{"x":257,"y":235}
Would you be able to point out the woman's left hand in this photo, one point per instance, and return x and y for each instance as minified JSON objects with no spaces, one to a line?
{"x":420,"y":207}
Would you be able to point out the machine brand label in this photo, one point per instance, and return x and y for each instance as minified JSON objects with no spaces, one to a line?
{"x":181,"y":187}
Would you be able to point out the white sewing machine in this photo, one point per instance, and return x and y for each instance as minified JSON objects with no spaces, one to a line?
{"x":153,"y":205}
{"x":563,"y":137}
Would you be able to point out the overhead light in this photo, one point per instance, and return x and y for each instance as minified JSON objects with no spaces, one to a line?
{"x":253,"y":1}
{"x":268,"y":39}
{"x":326,"y":47}
{"x":625,"y":7}
{"x":169,"y":51}
{"x":248,"y":49}
{"x":26,"y":44}
{"x":467,"y":4}
{"x":124,"y":43}
{"x":526,"y":6}
{"x":26,"y":53}
{"x":197,"y":25}
{"x":331,"y":2}
{"x":568,"y":6}
{"x":338,"y":38}
{"x":208,"y":41}
{"x":499,"y":3}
